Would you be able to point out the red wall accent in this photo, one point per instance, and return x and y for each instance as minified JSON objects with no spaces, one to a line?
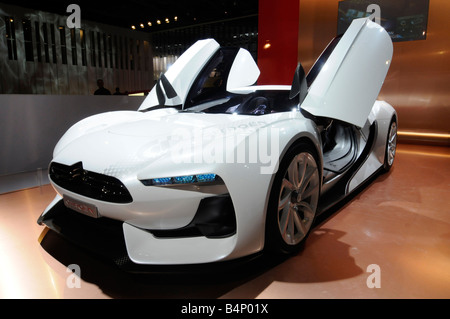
{"x":277,"y":26}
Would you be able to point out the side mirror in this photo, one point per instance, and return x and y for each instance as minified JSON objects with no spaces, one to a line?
{"x":299,"y":85}
{"x":244,"y":71}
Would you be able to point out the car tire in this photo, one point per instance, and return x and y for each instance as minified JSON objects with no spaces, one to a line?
{"x":293,"y":200}
{"x":391,"y":146}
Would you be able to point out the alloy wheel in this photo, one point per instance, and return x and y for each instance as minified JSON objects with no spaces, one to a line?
{"x":297,"y":202}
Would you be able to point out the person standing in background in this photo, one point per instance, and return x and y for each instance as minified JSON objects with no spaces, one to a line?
{"x":101,"y":89}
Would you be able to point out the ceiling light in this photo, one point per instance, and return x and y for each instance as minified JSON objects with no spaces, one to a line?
{"x":149,"y":24}
{"x":158,"y":21}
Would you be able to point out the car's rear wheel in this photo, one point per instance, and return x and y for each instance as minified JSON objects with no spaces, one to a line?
{"x":391,"y":146}
{"x":293,"y":200}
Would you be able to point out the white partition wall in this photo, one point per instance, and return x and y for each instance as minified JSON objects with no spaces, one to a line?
{"x":31,"y":125}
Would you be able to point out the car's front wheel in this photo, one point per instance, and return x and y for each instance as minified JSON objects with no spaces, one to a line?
{"x":293,"y":200}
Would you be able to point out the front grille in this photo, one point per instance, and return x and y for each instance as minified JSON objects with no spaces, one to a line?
{"x":98,"y":186}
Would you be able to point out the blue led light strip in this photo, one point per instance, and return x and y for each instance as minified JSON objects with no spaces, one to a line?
{"x":178,"y":180}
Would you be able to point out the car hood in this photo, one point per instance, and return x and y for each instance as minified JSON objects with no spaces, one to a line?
{"x":122,"y":143}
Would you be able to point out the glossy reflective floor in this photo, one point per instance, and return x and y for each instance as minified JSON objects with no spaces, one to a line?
{"x":395,"y":233}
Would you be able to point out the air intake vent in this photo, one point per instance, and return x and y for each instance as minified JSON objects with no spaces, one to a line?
{"x":98,"y":186}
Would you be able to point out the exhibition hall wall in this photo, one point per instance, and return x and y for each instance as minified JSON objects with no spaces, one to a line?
{"x":417,"y":84}
{"x":31,"y":125}
{"x":277,"y":41}
{"x":418,"y":80}
{"x":40,"y":54}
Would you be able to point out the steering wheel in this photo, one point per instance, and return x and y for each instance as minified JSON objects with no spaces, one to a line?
{"x":257,"y":105}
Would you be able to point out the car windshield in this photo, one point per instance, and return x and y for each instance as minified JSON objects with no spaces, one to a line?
{"x":208,"y":93}
{"x":256,"y":103}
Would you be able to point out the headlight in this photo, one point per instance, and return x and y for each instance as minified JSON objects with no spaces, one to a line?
{"x":205,"y":183}
{"x":177,"y":180}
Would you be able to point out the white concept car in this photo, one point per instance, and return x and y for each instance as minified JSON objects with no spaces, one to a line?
{"x":212,"y":167}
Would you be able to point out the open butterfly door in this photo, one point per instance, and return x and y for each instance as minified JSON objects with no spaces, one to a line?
{"x":192,"y":69}
{"x":173,"y":87}
{"x":349,"y":82}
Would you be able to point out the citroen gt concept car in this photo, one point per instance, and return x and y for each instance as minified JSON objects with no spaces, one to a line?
{"x":212,"y":167}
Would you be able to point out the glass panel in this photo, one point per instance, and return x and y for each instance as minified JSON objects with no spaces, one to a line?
{"x":11,"y":38}
{"x":28,"y":40}
{"x":62,"y":39}
{"x":53,"y":37}
{"x":83,"y":47}
{"x":73,"y":40}
{"x":46,"y":43}
{"x":93,"y":54}
{"x":38,"y":41}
